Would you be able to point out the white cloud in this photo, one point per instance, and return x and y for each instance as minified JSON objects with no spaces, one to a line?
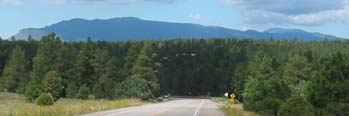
{"x":12,"y":2}
{"x":195,"y":16}
{"x":291,"y":12}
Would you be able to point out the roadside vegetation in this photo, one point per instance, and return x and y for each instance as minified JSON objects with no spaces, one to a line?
{"x":230,"y":109}
{"x":12,"y":104}
{"x":275,"y":77}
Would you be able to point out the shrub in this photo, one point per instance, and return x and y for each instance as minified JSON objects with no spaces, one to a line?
{"x":71,"y":90}
{"x":296,"y":106}
{"x":32,"y":92}
{"x":2,"y":87}
{"x":44,"y":99}
{"x":84,"y":92}
{"x":134,"y":87}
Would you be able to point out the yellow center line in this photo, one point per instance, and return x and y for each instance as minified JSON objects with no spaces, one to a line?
{"x":167,"y":110}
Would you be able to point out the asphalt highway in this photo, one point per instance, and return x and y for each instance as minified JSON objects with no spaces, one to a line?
{"x":176,"y":107}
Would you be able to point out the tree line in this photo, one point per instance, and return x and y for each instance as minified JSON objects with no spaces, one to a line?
{"x":275,"y":77}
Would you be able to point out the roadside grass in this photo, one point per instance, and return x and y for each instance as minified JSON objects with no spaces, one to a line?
{"x":232,"y":109}
{"x":12,"y":104}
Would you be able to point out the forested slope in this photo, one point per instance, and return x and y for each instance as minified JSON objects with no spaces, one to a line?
{"x":265,"y":72}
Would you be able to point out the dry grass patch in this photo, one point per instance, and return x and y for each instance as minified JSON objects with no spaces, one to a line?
{"x":233,"y":109}
{"x":15,"y":104}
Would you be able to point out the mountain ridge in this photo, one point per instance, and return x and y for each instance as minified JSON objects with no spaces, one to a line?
{"x":132,"y":28}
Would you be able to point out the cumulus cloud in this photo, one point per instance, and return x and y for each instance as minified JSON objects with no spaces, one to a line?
{"x":295,"y":12}
{"x":195,"y":16}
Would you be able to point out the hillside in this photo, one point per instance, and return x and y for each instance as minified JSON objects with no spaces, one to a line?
{"x":118,"y":29}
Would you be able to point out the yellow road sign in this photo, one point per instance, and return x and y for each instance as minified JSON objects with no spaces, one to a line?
{"x":232,"y":98}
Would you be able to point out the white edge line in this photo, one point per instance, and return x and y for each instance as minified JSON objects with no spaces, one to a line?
{"x":197,"y":110}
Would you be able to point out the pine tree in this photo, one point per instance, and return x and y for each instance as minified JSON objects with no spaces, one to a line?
{"x":53,"y":84}
{"x":48,"y":58}
{"x":260,"y":67}
{"x":132,"y":54}
{"x":264,"y":92}
{"x":101,"y":57}
{"x":106,"y":83}
{"x":99,"y":64}
{"x":144,"y":66}
{"x":329,"y":88}
{"x":114,"y":70}
{"x":68,"y":70}
{"x":84,"y":66}
{"x":239,"y":79}
{"x":72,"y":90}
{"x":296,"y":72}
{"x":15,"y":73}
{"x":30,"y":38}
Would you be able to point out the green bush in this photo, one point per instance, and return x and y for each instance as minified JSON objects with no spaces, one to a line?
{"x":45,"y":99}
{"x":84,"y":92}
{"x":31,"y":92}
{"x":71,"y":90}
{"x":2,"y":88}
{"x":296,"y":106}
{"x":134,"y":87}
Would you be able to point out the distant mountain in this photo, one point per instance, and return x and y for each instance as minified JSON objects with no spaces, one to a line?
{"x":127,"y":28}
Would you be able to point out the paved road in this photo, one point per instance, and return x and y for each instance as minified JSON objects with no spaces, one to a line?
{"x":178,"y":107}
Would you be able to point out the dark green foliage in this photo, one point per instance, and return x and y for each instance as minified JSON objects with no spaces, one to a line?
{"x":103,"y":82}
{"x":296,"y":106}
{"x":106,"y":83}
{"x":134,"y":87}
{"x":15,"y":74}
{"x":264,"y":92}
{"x":144,"y":66}
{"x":297,"y":72}
{"x":83,"y":92}
{"x":239,"y":79}
{"x":114,"y":70}
{"x":48,"y":57}
{"x":32,"y":91}
{"x":265,"y":72}
{"x":45,"y":99}
{"x":265,"y":96}
{"x":260,"y":67}
{"x":132,"y":54}
{"x":71,"y":90}
{"x":297,"y":69}
{"x":53,"y":84}
{"x":84,"y":66}
{"x":329,"y":88}
{"x":2,"y":87}
{"x":104,"y":88}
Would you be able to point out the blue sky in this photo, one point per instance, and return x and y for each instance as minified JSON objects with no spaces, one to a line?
{"x":326,"y":16}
